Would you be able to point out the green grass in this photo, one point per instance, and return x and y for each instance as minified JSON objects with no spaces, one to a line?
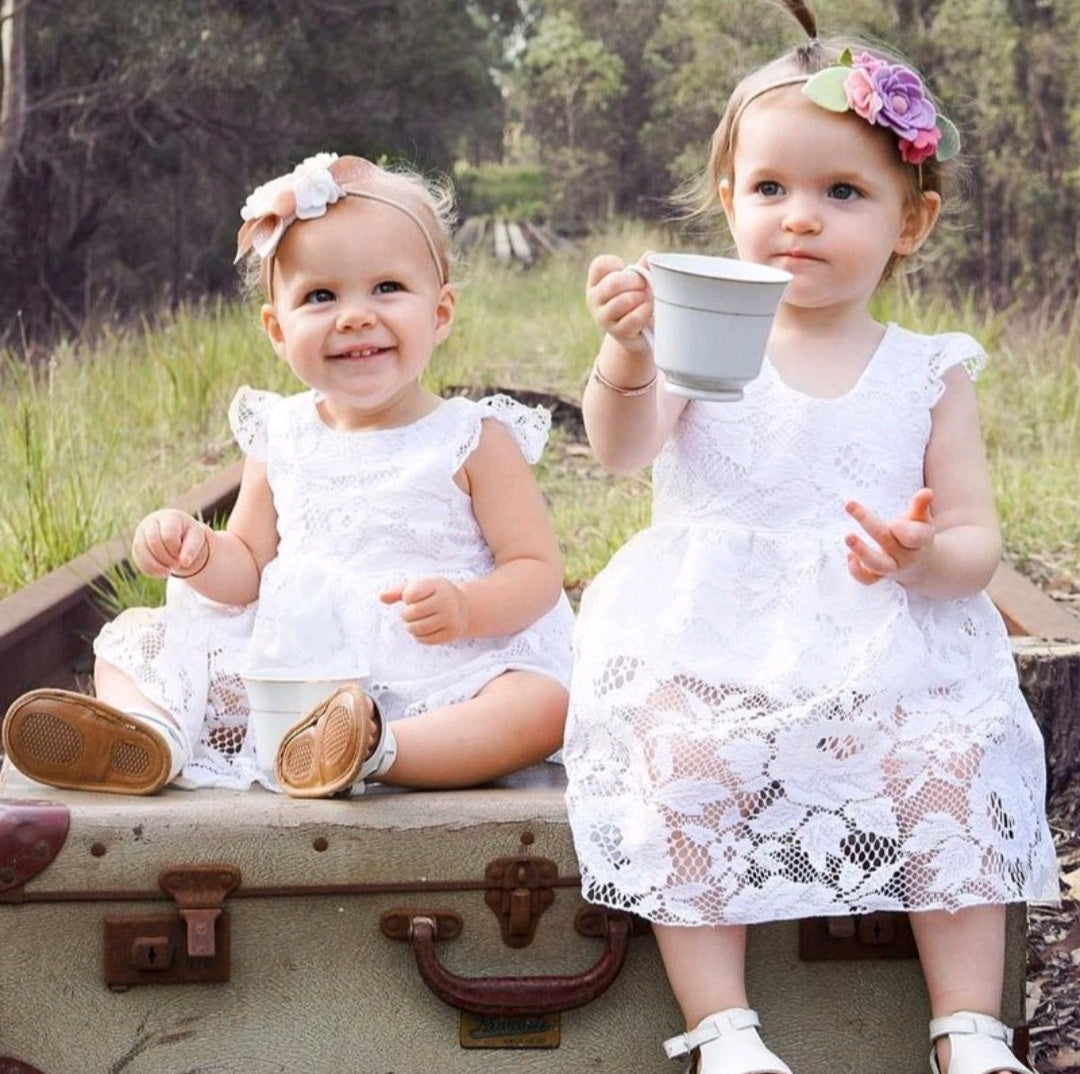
{"x":502,"y":190}
{"x":113,"y":428}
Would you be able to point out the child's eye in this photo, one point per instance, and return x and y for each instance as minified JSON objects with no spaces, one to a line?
{"x":388,"y":287}
{"x":319,"y":294}
{"x":769,"y":188}
{"x":843,"y":192}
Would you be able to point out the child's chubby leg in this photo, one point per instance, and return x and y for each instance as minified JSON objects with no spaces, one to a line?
{"x":117,"y":741}
{"x":963,"y":961}
{"x":706,"y":968}
{"x":514,"y":721}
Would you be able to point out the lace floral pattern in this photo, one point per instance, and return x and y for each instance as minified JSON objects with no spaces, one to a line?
{"x":753,"y":735}
{"x":358,"y":513}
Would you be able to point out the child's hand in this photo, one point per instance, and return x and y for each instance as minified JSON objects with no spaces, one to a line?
{"x":170,"y":541}
{"x":903,"y":544}
{"x":435,"y":610}
{"x":619,"y":300}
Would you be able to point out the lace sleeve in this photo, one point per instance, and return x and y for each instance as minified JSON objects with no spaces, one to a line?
{"x":954,"y":348}
{"x":529,"y":425}
{"x":248,"y":414}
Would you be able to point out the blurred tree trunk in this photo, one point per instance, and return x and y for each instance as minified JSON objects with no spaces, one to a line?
{"x":12,"y":85}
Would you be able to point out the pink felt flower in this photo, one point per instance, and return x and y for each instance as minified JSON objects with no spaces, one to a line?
{"x":869,"y":62}
{"x":862,"y":96}
{"x":923,"y":145}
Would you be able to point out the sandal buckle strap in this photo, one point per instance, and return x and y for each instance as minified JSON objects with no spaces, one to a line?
{"x":970,"y":1023}
{"x":709,"y":1029}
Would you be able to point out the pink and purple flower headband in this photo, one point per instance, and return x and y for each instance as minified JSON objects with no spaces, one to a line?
{"x":887,"y":95}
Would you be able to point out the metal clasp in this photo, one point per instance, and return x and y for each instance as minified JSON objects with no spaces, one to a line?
{"x":519,"y":890}
{"x":191,"y":945}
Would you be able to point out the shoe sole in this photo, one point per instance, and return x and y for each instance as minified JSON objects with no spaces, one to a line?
{"x":78,"y":743}
{"x":322,"y":754}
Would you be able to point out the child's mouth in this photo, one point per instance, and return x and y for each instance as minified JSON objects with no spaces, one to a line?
{"x":358,"y":353}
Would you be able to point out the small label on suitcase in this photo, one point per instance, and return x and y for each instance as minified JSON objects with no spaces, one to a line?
{"x":509,"y":1031}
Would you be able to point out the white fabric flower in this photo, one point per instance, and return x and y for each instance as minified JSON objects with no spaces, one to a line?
{"x":315,"y":188}
{"x":270,"y":209}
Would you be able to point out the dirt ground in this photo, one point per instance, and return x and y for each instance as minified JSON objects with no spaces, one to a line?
{"x":1053,"y":1005}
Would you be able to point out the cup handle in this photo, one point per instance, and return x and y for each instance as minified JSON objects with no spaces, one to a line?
{"x":643,"y":272}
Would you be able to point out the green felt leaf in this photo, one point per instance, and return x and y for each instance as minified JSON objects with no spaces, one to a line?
{"x":846,"y":59}
{"x":949,"y":145}
{"x":826,"y":88}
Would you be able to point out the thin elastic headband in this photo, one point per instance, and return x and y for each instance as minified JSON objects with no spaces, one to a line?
{"x":791,"y":80}
{"x":402,"y":207}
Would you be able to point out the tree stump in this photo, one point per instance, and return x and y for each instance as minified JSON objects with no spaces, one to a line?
{"x":1050,"y":680}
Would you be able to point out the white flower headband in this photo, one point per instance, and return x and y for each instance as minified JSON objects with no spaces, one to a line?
{"x":304,"y":194}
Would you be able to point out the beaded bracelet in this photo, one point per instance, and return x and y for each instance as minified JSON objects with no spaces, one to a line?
{"x":618,"y":389}
{"x":201,"y":567}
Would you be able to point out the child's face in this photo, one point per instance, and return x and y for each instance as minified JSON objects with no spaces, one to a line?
{"x":358,"y":310}
{"x":822,"y":196}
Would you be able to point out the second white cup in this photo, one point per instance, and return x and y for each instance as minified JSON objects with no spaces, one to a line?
{"x":278,"y":698}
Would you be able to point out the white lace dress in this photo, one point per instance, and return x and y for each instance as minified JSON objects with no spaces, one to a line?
{"x":358,"y":513}
{"x":755,"y":736}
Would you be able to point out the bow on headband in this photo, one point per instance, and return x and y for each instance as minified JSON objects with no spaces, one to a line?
{"x":301,"y":195}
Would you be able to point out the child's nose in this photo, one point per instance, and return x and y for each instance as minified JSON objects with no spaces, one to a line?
{"x":355,"y":315}
{"x":801,"y":216}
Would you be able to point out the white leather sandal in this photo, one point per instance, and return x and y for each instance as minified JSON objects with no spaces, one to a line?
{"x":732,"y":1043}
{"x":978,"y":1044}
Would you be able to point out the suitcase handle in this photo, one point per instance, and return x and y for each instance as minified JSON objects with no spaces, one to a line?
{"x":519,"y":996}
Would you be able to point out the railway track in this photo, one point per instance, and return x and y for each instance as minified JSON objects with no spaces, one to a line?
{"x":46,"y":628}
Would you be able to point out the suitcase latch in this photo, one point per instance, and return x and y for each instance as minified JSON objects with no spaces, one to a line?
{"x":519,"y":890}
{"x":189,"y":946}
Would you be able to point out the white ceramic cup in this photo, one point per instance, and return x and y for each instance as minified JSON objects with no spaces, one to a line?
{"x":277,"y":698}
{"x":711,"y":321}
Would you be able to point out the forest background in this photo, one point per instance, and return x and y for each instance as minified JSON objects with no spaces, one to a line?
{"x":130,"y":133}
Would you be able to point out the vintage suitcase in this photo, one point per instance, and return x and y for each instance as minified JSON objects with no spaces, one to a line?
{"x":400,"y":933}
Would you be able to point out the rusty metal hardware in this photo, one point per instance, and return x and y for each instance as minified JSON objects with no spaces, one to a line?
{"x":32,"y":831}
{"x":397,"y":924}
{"x":883,"y":934}
{"x":189,"y":946}
{"x":519,"y":890}
{"x":514,"y":997}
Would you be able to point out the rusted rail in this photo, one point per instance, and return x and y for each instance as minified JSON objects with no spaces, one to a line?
{"x":46,"y":628}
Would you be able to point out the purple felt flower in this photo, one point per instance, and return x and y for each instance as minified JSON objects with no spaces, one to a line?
{"x":904,"y":107}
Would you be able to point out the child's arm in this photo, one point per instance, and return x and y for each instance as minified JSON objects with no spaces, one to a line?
{"x":626,"y":432}
{"x":953,"y":551}
{"x":225,"y":566}
{"x":528,"y":575}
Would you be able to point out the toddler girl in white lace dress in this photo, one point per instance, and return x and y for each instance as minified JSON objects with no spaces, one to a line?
{"x":791,"y":696}
{"x":381,"y":534}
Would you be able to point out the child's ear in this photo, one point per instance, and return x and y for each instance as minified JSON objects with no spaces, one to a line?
{"x":724,"y":190}
{"x":272,"y":328}
{"x":444,"y":312}
{"x":918,"y":223}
